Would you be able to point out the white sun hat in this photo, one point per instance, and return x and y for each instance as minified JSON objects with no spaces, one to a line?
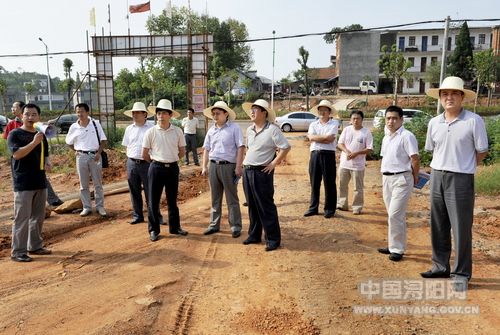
{"x":164,"y":104}
{"x":220,"y":105}
{"x":247,"y":107}
{"x":452,"y":83}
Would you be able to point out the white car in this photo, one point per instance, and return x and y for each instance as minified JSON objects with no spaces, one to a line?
{"x":295,"y":121}
{"x":408,"y":114}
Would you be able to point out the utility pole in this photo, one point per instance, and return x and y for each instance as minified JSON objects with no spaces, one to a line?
{"x":272,"y":80}
{"x":48,"y":73}
{"x":443,"y":58}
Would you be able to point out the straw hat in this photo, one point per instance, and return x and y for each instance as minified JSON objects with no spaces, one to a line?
{"x":138,"y":107}
{"x":247,"y":107}
{"x":452,"y":83}
{"x":164,"y":104}
{"x":328,"y":104}
{"x":220,"y":105}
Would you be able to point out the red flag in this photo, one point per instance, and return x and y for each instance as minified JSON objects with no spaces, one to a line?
{"x":143,"y":7}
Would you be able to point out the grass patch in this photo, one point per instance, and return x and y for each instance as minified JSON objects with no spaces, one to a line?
{"x":488,"y":180}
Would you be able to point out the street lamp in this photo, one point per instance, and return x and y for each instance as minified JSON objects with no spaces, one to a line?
{"x":48,"y":72}
{"x":272,"y":80}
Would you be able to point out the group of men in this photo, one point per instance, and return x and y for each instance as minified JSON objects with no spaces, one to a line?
{"x":457,"y":138}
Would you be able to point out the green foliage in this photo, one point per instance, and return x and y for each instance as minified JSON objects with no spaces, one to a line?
{"x":394,"y":65}
{"x":115,"y":137}
{"x":332,"y":35}
{"x":484,"y":67}
{"x":418,"y":126}
{"x":460,"y":63}
{"x":303,"y":73}
{"x":4,"y":151}
{"x":433,"y":74}
{"x":493,"y":131}
{"x":487,"y":180}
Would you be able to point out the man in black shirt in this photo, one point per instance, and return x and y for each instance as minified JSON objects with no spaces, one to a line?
{"x":29,"y":160}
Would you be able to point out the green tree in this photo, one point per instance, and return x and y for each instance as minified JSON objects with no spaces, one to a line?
{"x":68,"y":84}
{"x":460,"y":62}
{"x":433,"y":74}
{"x":332,"y":35}
{"x":303,"y":73}
{"x":394,"y":65}
{"x":3,"y":95}
{"x":485,"y":66}
{"x":29,"y":88}
{"x":247,"y":85}
{"x":286,"y":82}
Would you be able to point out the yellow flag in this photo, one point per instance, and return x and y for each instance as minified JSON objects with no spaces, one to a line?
{"x":92,"y":17}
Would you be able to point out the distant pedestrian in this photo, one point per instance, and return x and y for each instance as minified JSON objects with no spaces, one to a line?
{"x":323,"y":136}
{"x":400,"y":167}
{"x":458,"y":141}
{"x":86,"y":137}
{"x":355,"y":143}
{"x":190,"y":123}
{"x":30,"y":160}
{"x":163,"y":146}
{"x":264,"y":138}
{"x":223,"y":148}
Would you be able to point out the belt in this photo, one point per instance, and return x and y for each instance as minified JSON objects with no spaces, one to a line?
{"x":189,"y":134}
{"x":87,"y":152}
{"x":254,"y":167}
{"x":393,"y":173}
{"x":220,"y":162}
{"x":138,"y":161}
{"x":165,"y":164}
{"x":324,"y":151}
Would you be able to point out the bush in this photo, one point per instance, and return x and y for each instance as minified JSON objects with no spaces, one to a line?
{"x":4,"y":151}
{"x":115,"y":136}
{"x":493,"y":130}
{"x":487,"y":180}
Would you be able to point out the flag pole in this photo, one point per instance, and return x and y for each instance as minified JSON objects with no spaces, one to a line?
{"x":109,"y":18}
{"x":128,"y":19}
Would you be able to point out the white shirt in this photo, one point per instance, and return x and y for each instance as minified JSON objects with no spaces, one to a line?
{"x":132,"y":139}
{"x":454,"y":144}
{"x":329,"y":128}
{"x":397,"y":149}
{"x":163,"y":144}
{"x":190,"y":125}
{"x":85,"y":138}
{"x":355,"y":140}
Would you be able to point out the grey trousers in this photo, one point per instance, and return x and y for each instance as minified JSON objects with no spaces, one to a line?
{"x":29,"y":214}
{"x":452,"y":208}
{"x":88,"y":168}
{"x":51,"y":194}
{"x":358,"y":194}
{"x":221,"y":178}
{"x":191,"y":147}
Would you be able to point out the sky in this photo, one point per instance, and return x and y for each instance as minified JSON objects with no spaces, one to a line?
{"x":62,"y":24}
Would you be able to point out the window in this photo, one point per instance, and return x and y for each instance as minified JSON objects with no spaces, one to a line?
{"x":412,"y":61}
{"x":434,"y":60}
{"x":482,"y":38}
{"x":309,"y":116}
{"x":410,"y":83}
{"x":401,"y":45}
{"x":435,"y":39}
{"x":473,"y":41}
{"x":423,"y":64}
{"x":411,"y":41}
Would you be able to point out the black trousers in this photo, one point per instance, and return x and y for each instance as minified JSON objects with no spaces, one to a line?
{"x":163,"y":176}
{"x":137,"y":173}
{"x":322,"y":167}
{"x":191,"y":147}
{"x":262,"y":212}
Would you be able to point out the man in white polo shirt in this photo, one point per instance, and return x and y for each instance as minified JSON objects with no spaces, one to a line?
{"x":400,"y":167}
{"x":190,"y":123}
{"x":87,"y":138}
{"x":458,"y":142}
{"x":163,"y":146}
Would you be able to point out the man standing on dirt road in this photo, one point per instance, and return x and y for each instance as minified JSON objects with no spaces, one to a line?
{"x":190,"y":123}
{"x":323,"y":136}
{"x":17,"y":111}
{"x":458,"y":141}
{"x":224,"y":148}
{"x":355,"y":142}
{"x":30,"y":159}
{"x":163,"y":146}
{"x":263,"y":139}
{"x":83,"y":138}
{"x":400,"y":167}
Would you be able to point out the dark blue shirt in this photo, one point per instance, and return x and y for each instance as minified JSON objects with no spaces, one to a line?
{"x":26,"y":172}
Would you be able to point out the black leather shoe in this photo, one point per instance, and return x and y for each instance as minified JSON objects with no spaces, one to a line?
{"x":430,"y":274}
{"x":250,"y":241}
{"x":384,"y":251}
{"x":236,"y":234}
{"x":41,"y":251}
{"x":136,"y":221}
{"x":272,"y":247}
{"x":329,"y":214}
{"x":21,"y":258}
{"x":179,"y":231}
{"x":395,"y":257}
{"x":57,"y":203}
{"x":153,"y":236}
{"x":310,"y":213}
{"x":210,"y":231}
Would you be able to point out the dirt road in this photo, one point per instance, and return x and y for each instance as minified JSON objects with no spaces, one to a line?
{"x":106,"y":277}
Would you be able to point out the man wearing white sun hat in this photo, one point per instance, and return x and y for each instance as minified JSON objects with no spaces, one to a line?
{"x":263,"y":139}
{"x":223,"y":148}
{"x":458,"y":142}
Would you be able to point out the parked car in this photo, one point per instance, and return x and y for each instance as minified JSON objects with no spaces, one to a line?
{"x":295,"y":121}
{"x":408,"y":114}
{"x":64,"y":122}
{"x":3,"y":122}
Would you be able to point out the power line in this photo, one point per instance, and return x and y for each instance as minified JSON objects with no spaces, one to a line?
{"x":249,"y":40}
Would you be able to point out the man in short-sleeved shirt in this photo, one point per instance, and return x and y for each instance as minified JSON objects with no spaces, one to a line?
{"x":355,"y":143}
{"x":163,"y":146}
{"x":458,"y":142}
{"x":400,"y":167}
{"x":263,"y":139}
{"x":190,"y":123}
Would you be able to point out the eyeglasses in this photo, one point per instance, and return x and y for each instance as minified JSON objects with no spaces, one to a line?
{"x":256,"y":109}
